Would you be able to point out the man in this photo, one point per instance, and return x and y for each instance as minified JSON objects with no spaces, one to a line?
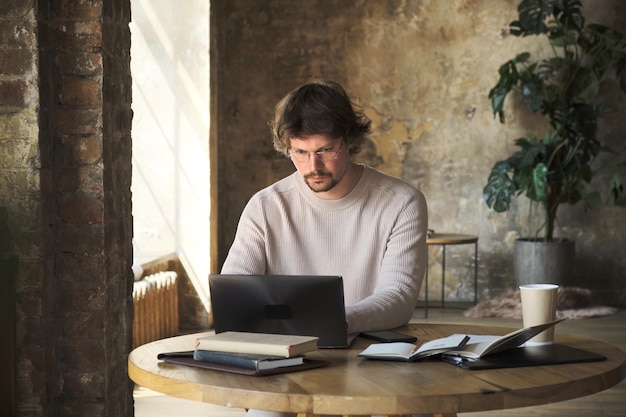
{"x":334,"y":216}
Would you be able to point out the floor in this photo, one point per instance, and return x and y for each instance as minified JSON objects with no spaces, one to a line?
{"x":611,"y":402}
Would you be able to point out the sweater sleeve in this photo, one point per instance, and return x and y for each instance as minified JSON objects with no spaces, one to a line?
{"x":400,"y":277}
{"x":247,"y":254}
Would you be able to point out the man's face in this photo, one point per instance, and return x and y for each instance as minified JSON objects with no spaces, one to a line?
{"x":322,"y":162}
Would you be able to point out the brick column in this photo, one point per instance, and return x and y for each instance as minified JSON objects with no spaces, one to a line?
{"x":65,"y":175}
{"x":27,"y":216}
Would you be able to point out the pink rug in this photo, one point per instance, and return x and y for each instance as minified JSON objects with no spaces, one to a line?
{"x":572,"y":303}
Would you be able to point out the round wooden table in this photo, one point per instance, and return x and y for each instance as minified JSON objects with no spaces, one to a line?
{"x":352,"y":386}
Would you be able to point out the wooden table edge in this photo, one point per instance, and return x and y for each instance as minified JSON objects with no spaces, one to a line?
{"x":305,"y":401}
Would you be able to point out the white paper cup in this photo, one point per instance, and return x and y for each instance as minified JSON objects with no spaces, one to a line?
{"x":538,"y":307}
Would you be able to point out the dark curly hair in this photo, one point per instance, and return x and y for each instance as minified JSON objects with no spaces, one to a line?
{"x":319,"y":108}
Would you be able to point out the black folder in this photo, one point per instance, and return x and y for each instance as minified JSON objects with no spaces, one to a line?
{"x":550,"y":354}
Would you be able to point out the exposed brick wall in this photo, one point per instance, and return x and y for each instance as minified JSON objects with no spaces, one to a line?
{"x":8,"y":272}
{"x":65,"y":175}
{"x":21,"y":184}
{"x":117,"y":173}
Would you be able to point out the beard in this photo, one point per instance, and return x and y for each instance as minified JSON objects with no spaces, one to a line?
{"x":317,"y":186}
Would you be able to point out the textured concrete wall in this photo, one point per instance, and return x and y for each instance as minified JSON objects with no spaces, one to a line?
{"x":65,"y":182}
{"x":422,"y":71}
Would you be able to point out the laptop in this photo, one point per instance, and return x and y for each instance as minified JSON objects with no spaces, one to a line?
{"x":281,"y":304}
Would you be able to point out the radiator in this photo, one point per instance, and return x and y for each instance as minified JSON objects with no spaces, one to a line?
{"x":155,"y":303}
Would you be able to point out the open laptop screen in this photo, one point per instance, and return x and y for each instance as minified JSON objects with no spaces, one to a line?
{"x":281,"y":304}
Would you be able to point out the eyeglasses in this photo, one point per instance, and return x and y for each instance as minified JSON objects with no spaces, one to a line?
{"x":324,"y":155}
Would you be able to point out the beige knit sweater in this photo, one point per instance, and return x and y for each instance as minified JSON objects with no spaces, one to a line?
{"x":374,"y":237}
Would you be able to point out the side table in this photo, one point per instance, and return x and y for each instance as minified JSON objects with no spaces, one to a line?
{"x":445,"y":239}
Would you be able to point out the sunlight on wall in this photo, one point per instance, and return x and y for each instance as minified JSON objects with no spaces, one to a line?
{"x":170,"y":70}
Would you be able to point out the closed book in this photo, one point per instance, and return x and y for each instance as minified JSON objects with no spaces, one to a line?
{"x":186,"y":358}
{"x":246,"y":360}
{"x":258,"y":343}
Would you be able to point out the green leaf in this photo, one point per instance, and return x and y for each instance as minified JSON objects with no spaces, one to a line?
{"x":570,"y":14}
{"x":500,"y":189}
{"x":549,"y":138}
{"x":532,"y":16}
{"x":563,"y":39}
{"x":537,"y":190}
{"x":509,"y":77}
{"x":497,"y":97}
{"x":532,"y":91}
{"x":522,"y":57}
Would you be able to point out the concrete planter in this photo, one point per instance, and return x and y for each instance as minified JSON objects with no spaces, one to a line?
{"x":538,"y":262}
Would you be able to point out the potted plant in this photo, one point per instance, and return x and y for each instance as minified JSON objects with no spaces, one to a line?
{"x":557,"y":166}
